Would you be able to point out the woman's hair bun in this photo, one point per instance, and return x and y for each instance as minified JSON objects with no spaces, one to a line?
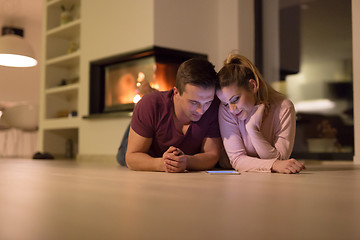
{"x":233,"y":59}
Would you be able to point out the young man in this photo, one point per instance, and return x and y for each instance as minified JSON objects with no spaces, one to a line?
{"x":177,"y":130}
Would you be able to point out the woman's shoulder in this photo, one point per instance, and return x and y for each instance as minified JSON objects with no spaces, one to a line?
{"x":283,"y":102}
{"x":282,"y":105}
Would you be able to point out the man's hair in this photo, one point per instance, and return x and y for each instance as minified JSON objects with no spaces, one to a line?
{"x":196,"y":71}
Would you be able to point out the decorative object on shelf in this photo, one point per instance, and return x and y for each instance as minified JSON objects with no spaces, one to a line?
{"x":73,"y":46}
{"x":62,"y":113}
{"x":66,"y":113}
{"x":72,"y":114}
{"x":66,"y":14}
{"x":63,"y":82}
{"x":66,"y":81}
{"x":14,"y":50}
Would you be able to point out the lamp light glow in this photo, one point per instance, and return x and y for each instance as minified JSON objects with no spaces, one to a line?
{"x":16,"y":52}
{"x":316,"y":105}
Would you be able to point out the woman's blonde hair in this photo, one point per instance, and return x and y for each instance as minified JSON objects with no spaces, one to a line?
{"x":239,"y":70}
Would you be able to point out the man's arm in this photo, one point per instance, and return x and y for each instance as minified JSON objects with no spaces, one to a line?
{"x":137,"y":157}
{"x":207,"y":159}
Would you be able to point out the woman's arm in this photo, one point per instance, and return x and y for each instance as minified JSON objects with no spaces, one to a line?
{"x":234,"y":146}
{"x":284,"y":131}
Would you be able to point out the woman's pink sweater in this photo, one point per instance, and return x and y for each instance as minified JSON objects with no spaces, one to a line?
{"x":257,"y":150}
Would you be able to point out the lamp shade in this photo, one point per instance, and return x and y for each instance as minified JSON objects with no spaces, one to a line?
{"x":16,"y":52}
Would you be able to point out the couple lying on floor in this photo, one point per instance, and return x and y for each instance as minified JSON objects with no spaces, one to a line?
{"x":187,"y":128}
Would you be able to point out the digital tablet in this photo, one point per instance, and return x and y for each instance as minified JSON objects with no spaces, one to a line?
{"x":223,"y":172}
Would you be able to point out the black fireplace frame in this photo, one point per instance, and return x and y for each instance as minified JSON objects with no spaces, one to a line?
{"x":97,"y":72}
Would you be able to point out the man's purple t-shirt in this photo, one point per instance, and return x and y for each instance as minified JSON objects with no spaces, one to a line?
{"x":153,"y":118}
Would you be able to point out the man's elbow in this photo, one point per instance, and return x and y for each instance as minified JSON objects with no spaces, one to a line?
{"x":129,"y":162}
{"x":213,"y":159}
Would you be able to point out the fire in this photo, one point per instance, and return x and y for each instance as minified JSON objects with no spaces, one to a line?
{"x":155,"y":86}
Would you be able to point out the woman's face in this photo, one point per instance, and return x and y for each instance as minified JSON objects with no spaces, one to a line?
{"x":238,"y":100}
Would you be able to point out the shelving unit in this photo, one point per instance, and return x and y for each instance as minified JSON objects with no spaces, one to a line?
{"x":59,"y":121}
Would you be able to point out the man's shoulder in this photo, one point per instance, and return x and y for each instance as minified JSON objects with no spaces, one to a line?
{"x":157,"y":96}
{"x":155,"y":99}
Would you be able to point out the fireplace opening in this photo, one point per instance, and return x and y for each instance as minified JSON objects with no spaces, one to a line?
{"x":117,"y":83}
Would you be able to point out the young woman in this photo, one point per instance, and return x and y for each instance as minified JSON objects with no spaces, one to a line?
{"x":257,"y":123}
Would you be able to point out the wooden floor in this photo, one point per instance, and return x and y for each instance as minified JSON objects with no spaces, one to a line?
{"x":50,"y":200}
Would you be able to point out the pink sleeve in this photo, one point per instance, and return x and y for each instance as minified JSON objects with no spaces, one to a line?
{"x":234,"y":146}
{"x":284,"y":134}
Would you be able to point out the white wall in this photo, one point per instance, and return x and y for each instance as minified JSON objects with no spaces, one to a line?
{"x":216,"y":30}
{"x":109,"y":28}
{"x":22,"y":84}
{"x":187,"y":25}
{"x":246,"y":32}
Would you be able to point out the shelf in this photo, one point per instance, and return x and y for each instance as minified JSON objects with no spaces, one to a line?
{"x":67,"y":31}
{"x":54,"y":11}
{"x":60,"y":104}
{"x":61,"y":89}
{"x":67,"y":60}
{"x":61,"y":143}
{"x":58,"y":3}
{"x":109,"y":115}
{"x":61,"y":123}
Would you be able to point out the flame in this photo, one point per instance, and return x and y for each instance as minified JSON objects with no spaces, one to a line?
{"x":141,"y":77}
{"x":155,"y":86}
{"x":136,"y":98}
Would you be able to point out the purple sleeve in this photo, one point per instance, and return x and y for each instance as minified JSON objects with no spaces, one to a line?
{"x":143,"y":118}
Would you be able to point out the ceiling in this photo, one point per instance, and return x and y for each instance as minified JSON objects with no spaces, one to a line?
{"x":19,"y":13}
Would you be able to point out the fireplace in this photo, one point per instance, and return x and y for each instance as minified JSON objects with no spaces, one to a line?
{"x":118,"y":82}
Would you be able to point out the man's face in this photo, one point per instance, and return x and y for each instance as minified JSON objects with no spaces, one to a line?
{"x":194,"y":101}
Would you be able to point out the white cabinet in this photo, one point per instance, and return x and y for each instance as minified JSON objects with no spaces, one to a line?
{"x":59,"y":120}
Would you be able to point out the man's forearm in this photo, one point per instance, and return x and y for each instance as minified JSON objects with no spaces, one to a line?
{"x":202,"y":161}
{"x":144,"y":162}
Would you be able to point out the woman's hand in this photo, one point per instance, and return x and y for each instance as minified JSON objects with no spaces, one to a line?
{"x":287,"y":166}
{"x":256,"y":118}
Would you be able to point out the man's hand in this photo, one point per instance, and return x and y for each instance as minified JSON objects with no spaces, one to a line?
{"x":175,"y":160}
{"x":288,"y":166}
{"x":256,"y":118}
